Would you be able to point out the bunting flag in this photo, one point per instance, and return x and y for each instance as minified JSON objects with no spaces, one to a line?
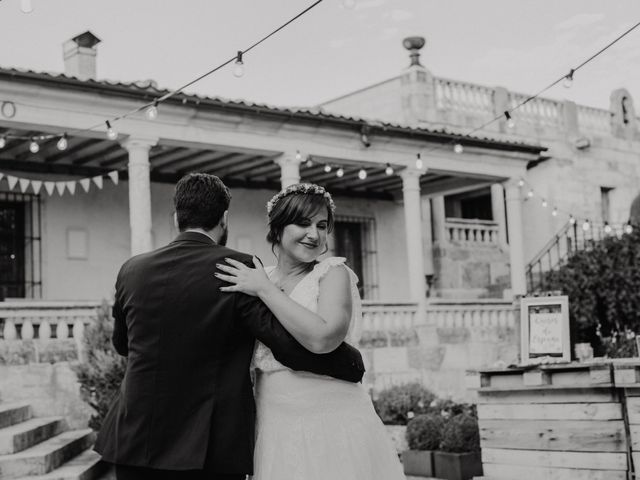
{"x":49,"y":187}
{"x":98,"y":181}
{"x":36,"y":185}
{"x":24,"y":184}
{"x":71,"y":186}
{"x":60,"y":186}
{"x":86,"y":183}
{"x":12,"y":181}
{"x":114,"y":176}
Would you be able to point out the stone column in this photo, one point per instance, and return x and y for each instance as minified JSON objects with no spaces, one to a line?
{"x":289,"y":168}
{"x":139,"y":193}
{"x":516,"y":246}
{"x":438,"y":218}
{"x":413,"y":229}
{"x":427,"y":237}
{"x":497,"y":208}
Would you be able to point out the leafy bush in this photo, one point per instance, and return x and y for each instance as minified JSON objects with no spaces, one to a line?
{"x":395,"y":405}
{"x":101,"y":374}
{"x":461,"y":434}
{"x":424,"y":432}
{"x":603,"y":285}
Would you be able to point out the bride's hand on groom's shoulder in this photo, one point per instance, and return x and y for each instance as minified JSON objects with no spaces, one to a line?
{"x":252,"y":281}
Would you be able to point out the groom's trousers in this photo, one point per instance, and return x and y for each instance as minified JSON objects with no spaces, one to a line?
{"x":125,"y":472}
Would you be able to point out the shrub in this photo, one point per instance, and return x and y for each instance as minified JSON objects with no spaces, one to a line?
{"x":101,"y":374}
{"x":461,"y":434}
{"x":424,"y":432}
{"x":394,"y":404}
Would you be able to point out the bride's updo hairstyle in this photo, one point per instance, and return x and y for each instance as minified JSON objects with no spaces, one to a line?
{"x":295,"y":204}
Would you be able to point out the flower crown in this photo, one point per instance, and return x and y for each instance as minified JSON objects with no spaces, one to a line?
{"x":304,"y":188}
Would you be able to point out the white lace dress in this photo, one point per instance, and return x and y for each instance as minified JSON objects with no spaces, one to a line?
{"x":312,"y":427}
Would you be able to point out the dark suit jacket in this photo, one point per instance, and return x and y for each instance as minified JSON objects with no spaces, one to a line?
{"x":186,"y":401}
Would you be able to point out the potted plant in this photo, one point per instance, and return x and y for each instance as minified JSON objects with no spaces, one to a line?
{"x":424,"y":434}
{"x":459,"y":456}
{"x":396,"y":405}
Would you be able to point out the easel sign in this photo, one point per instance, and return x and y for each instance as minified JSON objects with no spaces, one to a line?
{"x":544,"y":323}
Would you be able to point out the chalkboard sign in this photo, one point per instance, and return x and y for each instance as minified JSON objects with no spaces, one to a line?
{"x":544,"y":323}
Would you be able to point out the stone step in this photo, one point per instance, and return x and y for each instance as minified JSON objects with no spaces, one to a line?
{"x":86,"y":466}
{"x":46,"y":456}
{"x":12,"y":413}
{"x":23,"y":435}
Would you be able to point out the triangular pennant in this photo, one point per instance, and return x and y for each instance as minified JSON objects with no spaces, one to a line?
{"x":24,"y":184}
{"x":114,"y":176}
{"x":49,"y":187}
{"x":36,"y":185}
{"x":71,"y":186}
{"x":86,"y":183}
{"x":98,"y":181}
{"x":60,"y":187}
{"x":12,"y":181}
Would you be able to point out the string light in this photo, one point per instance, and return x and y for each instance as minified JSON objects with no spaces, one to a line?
{"x":111,"y":133}
{"x":298,"y":155}
{"x":419,"y":163}
{"x":607,"y":228}
{"x":521,"y":183}
{"x":3,"y":142}
{"x":309,"y":162}
{"x":152,"y":111}
{"x":62,"y":143}
{"x":530,"y":194}
{"x":26,"y":6}
{"x":389,"y":169}
{"x":628,"y":228}
{"x":362,"y":174}
{"x":554,"y":212}
{"x":510,"y":122}
{"x":544,"y":203}
{"x":33,"y":146}
{"x":586,"y":225}
{"x":458,"y":148}
{"x":238,"y":68}
{"x":340,"y":173}
{"x":568,"y":80}
{"x":327,"y":168}
{"x":572,"y":220}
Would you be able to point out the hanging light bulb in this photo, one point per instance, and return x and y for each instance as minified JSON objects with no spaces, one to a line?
{"x":628,"y":228}
{"x":26,"y":6}
{"x":530,"y":194}
{"x":298,"y":155}
{"x":362,"y":174}
{"x":572,"y":220}
{"x":389,"y":169}
{"x":544,"y":203}
{"x":458,"y":148}
{"x":3,"y":142}
{"x":349,"y":4}
{"x":327,"y":168}
{"x":607,"y":228}
{"x":152,"y":111}
{"x":555,"y":212}
{"x":33,"y":146}
{"x":419,"y":163}
{"x":521,"y":183}
{"x":62,"y":143}
{"x":568,"y":80}
{"x":510,"y":122}
{"x":309,"y":162}
{"x":586,"y":225}
{"x":340,"y":173}
{"x":238,"y":68}
{"x":111,"y":133}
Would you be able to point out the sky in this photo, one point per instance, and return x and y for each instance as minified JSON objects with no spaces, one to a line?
{"x":522,"y":45}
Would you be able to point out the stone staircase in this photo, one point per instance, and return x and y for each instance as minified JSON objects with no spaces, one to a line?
{"x":43,"y":448}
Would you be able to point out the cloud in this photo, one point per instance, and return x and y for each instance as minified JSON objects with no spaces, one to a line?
{"x":579,"y":20}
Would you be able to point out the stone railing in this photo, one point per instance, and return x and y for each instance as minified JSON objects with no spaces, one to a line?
{"x":539,"y":111}
{"x":594,"y":119}
{"x":460,"y":230}
{"x":451,"y":94}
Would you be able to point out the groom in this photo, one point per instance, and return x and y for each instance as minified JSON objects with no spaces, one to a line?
{"x":185,"y":409}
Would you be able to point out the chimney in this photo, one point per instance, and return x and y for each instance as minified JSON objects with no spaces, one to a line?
{"x":80,"y":56}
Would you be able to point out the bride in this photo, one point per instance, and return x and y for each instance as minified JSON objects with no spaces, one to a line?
{"x":309,"y":426}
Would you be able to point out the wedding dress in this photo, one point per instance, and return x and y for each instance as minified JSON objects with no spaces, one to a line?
{"x":312,"y":427}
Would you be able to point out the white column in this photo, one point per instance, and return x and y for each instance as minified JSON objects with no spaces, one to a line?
{"x":289,"y":168}
{"x":413,"y":228}
{"x":516,"y":246}
{"x":497,"y":208}
{"x":139,"y":193}
{"x":427,"y":237}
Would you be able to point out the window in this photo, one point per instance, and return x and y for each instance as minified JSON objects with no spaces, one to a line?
{"x":474,"y":205}
{"x":20,"y":246}
{"x":354,"y":239}
{"x":605,"y":203}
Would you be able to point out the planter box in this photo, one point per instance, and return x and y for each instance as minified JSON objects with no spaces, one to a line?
{"x":418,"y":463}
{"x":457,"y":466}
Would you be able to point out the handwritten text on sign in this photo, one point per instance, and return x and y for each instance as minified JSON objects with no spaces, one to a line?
{"x":545,"y":333}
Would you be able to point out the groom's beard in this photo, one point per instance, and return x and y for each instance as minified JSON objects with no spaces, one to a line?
{"x":224,"y":237}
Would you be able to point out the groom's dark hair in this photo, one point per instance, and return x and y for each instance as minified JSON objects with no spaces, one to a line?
{"x":200,"y":201}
